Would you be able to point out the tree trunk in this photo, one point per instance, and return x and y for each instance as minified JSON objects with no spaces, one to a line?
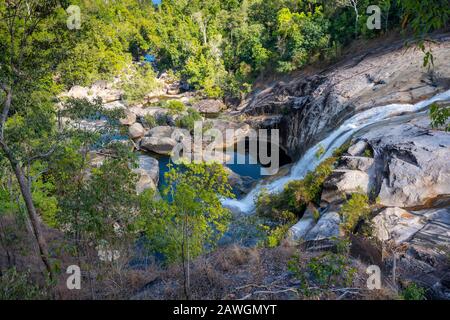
{"x":25,"y":189}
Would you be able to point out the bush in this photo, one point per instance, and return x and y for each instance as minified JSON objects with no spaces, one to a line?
{"x":354,"y":210}
{"x":296,"y":194}
{"x":413,"y":292}
{"x":16,"y":285}
{"x":175,"y":107}
{"x":137,"y":85}
{"x":281,"y":209}
{"x":151,"y":121}
{"x":327,"y":269}
{"x":188,"y":121}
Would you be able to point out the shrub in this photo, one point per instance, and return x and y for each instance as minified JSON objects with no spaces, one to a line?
{"x":18,"y":286}
{"x":175,"y":107}
{"x":413,"y":292}
{"x":281,"y":209}
{"x":320,"y":151}
{"x":354,"y":210}
{"x":139,"y":84}
{"x":151,"y":121}
{"x":188,"y":121}
{"x":296,"y":194}
{"x":325,"y":270}
{"x":342,"y":149}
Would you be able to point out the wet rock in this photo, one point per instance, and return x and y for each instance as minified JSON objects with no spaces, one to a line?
{"x":241,"y":184}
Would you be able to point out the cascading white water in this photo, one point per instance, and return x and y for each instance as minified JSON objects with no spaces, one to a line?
{"x":309,"y":161}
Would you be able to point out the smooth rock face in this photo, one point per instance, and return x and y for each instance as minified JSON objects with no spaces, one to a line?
{"x":209,"y":106}
{"x":356,"y":163}
{"x":326,"y":228}
{"x":415,"y":164}
{"x":239,"y":132}
{"x":312,"y":105}
{"x":136,"y":131}
{"x":396,"y":224}
{"x":344,"y":182}
{"x":130,"y":118}
{"x":357,"y":149}
{"x":163,"y":139}
{"x":298,"y":231}
{"x":151,"y":167}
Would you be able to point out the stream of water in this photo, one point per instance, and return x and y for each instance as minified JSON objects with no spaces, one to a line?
{"x":339,"y":136}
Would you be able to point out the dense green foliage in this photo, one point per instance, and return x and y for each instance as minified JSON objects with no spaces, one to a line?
{"x":413,"y":292}
{"x":190,"y":216}
{"x":354,"y":210}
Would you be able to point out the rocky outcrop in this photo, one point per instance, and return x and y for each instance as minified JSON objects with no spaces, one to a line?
{"x":364,"y":164}
{"x":100,"y":89}
{"x":413,"y":164}
{"x":326,"y":228}
{"x":306,"y":108}
{"x":136,"y":131}
{"x":397,"y":225}
{"x":238,"y":132}
{"x":342,"y":183}
{"x":148,"y":173}
{"x":163,"y":139}
{"x":209,"y":106}
{"x":298,"y":231}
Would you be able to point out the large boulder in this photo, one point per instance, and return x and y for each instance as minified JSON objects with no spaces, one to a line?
{"x":209,"y":106}
{"x":148,"y":172}
{"x":356,"y":163}
{"x":397,"y":225}
{"x":238,"y":132}
{"x":163,"y":139}
{"x":298,"y":231}
{"x":342,"y":183}
{"x":150,"y":166}
{"x":241,"y":184}
{"x":326,"y":228}
{"x":136,"y":131}
{"x":358,"y":148}
{"x":129,"y":119}
{"x":413,"y":162}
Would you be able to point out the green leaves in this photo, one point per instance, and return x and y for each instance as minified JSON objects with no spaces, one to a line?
{"x":190,"y":211}
{"x":439,"y":116}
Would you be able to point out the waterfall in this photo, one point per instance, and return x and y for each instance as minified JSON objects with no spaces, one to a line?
{"x":310,"y":161}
